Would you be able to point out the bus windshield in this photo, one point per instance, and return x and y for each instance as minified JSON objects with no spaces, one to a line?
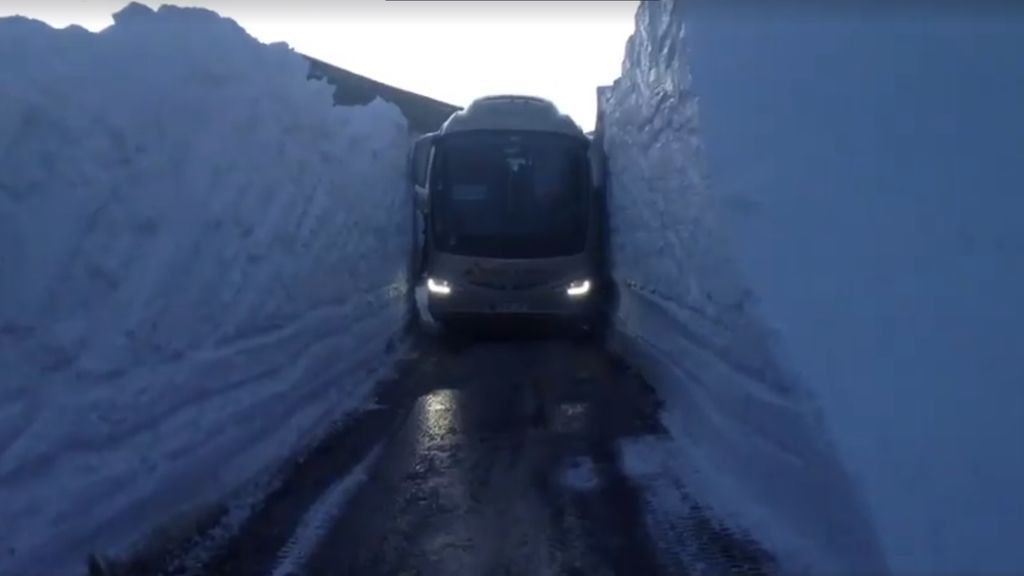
{"x":510,"y":194}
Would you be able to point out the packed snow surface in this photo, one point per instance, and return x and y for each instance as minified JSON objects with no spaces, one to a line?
{"x":830,"y":259}
{"x":202,"y":262}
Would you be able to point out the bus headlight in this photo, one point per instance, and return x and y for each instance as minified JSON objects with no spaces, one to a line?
{"x":578,"y":289}
{"x":439,"y":287}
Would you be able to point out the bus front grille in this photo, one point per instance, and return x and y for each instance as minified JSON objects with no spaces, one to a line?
{"x":509,"y":285}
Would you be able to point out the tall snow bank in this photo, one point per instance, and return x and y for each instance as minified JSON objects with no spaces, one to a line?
{"x":842,"y":257}
{"x":201,"y":259}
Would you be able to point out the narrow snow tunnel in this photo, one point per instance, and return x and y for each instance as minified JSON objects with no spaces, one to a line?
{"x":810,"y":365}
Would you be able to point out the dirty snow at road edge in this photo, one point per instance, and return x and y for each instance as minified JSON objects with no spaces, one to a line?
{"x":203,"y":262}
{"x":317,"y":520}
{"x":822,"y":274}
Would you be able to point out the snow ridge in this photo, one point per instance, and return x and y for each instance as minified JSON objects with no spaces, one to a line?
{"x":202,"y":263}
{"x":816,"y":224}
{"x":754,"y":448}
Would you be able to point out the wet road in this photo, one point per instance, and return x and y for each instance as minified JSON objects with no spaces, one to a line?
{"x":504,"y":465}
{"x":497,"y":457}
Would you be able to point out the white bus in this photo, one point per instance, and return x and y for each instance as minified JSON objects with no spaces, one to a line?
{"x":513,"y":221}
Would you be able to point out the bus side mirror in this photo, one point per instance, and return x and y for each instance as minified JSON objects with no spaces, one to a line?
{"x":419,"y":168}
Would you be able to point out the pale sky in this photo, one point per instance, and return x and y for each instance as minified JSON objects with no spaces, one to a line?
{"x":452,"y":50}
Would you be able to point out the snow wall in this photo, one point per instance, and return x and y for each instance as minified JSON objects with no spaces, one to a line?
{"x":820,"y":266}
{"x":202,"y":262}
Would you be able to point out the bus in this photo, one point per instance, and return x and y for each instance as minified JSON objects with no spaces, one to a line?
{"x":511,"y":216}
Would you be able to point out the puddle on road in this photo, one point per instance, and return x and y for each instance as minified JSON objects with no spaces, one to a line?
{"x":437,"y":417}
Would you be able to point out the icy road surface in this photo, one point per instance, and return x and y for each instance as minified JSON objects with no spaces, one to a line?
{"x":496,"y":457}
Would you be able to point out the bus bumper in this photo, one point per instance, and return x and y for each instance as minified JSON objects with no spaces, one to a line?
{"x":551,"y":305}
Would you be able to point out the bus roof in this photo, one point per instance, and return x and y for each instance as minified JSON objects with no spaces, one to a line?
{"x":511,"y":112}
